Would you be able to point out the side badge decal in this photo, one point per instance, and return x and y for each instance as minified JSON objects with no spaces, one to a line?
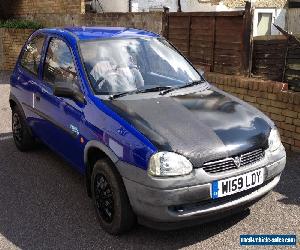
{"x":122,"y":131}
{"x":74,"y":130}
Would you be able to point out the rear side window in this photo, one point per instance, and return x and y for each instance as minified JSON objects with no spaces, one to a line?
{"x":31,"y":56}
{"x":59,"y":65}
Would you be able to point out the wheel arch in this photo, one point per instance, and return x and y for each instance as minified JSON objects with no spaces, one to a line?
{"x":93,"y":151}
{"x":13,"y":102}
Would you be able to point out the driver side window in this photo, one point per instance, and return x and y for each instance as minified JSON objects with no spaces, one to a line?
{"x":59,"y":65}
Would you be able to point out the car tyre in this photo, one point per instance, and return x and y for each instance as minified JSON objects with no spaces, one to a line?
{"x":110,"y":199}
{"x":23,"y":138}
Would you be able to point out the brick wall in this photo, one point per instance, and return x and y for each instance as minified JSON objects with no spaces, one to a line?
{"x":53,"y":13}
{"x":30,"y":7}
{"x":272,"y":98}
{"x":152,"y":21}
{"x":11,"y":42}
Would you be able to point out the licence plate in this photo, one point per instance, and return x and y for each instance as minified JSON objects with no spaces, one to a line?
{"x":237,"y":184}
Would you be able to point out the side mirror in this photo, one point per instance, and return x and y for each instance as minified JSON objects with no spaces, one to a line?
{"x":201,"y":72}
{"x":67,"y":90}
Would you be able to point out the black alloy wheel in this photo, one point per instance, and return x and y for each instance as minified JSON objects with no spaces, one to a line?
{"x":23,"y":138}
{"x":110,"y":198}
{"x":17,"y":127}
{"x":104,"y":198}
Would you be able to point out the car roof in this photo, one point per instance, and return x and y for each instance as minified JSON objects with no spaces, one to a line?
{"x":93,"y":33}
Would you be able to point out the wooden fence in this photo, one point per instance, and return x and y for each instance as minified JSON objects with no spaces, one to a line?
{"x":269,"y":57}
{"x":292,"y":68}
{"x":277,"y":58}
{"x":218,"y":41}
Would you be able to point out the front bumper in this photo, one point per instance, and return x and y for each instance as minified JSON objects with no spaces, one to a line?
{"x":173,"y":205}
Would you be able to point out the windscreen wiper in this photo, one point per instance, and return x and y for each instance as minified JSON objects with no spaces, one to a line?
{"x":137,"y":91}
{"x":190,"y":84}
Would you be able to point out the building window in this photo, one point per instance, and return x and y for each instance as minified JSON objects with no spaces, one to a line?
{"x":264,"y":24}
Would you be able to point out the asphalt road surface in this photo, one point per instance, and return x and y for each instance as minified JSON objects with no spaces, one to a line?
{"x":43,"y":205}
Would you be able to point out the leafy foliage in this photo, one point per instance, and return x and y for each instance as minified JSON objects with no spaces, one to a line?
{"x":19,"y":24}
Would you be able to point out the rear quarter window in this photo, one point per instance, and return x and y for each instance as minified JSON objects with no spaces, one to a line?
{"x":31,"y":56}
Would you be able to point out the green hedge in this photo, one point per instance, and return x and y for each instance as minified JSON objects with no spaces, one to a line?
{"x":19,"y":24}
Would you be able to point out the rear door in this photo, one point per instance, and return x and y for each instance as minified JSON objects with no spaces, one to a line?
{"x":61,"y":117}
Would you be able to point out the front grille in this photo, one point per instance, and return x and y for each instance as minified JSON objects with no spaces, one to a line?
{"x":233,"y":162}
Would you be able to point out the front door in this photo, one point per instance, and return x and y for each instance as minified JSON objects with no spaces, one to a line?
{"x":61,"y":117}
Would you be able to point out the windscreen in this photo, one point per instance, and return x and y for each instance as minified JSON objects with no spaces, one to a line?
{"x":119,"y":65}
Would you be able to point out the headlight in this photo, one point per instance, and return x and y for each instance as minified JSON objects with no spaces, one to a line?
{"x":274,"y":140}
{"x":169,"y":164}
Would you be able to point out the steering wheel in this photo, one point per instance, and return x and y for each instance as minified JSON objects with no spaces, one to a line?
{"x":101,"y":81}
{"x":111,"y":82}
{"x":132,"y":66}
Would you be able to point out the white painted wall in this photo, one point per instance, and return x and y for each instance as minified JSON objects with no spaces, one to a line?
{"x":110,"y":5}
{"x":194,"y":5}
{"x":186,"y":5}
{"x":144,"y":5}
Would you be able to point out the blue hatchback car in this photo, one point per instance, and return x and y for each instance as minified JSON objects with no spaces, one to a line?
{"x":156,"y":142}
